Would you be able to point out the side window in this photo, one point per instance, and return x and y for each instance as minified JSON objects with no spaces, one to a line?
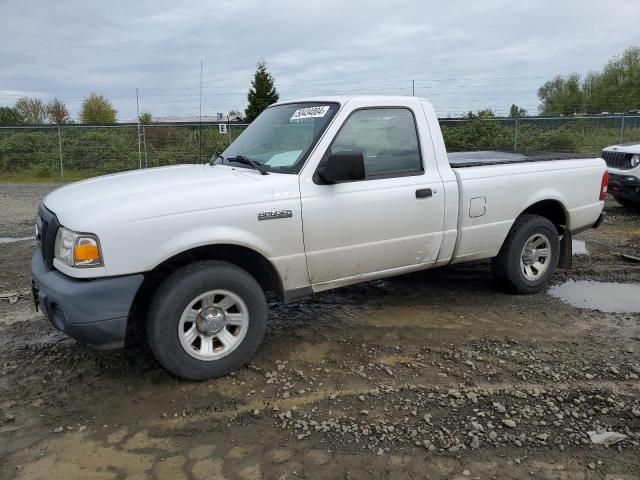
{"x":386,"y":137}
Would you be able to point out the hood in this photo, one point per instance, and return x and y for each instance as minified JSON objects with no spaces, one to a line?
{"x":137,"y":195}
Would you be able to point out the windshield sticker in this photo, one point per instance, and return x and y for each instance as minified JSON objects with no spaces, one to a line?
{"x":311,"y":112}
{"x":284,"y":159}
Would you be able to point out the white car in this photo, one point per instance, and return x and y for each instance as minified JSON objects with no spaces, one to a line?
{"x":623,"y":163}
{"x":315,"y":194}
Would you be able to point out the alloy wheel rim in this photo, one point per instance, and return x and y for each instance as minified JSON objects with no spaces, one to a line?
{"x":213,"y":325}
{"x":535,"y":257}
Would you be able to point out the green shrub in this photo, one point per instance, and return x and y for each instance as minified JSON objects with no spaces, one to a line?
{"x":22,"y":149}
{"x":478,"y":134}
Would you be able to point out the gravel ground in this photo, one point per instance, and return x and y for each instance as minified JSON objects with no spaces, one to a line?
{"x":431,"y":375}
{"x":19,"y":207}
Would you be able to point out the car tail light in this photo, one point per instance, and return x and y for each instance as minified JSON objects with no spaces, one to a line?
{"x":604,"y":185}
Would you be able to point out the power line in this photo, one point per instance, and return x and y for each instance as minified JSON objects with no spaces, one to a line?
{"x":363,"y":90}
{"x":355,"y":82}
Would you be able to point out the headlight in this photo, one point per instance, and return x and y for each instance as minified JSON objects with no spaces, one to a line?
{"x":635,"y":160}
{"x":77,"y":249}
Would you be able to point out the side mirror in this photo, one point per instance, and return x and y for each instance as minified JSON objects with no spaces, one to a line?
{"x":342,"y":167}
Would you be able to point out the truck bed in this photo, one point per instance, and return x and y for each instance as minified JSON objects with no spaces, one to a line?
{"x":495,"y":157}
{"x":492,"y":197}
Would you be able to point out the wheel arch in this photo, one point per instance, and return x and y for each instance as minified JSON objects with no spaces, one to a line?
{"x":554,"y":211}
{"x":253,"y":262}
{"x":551,"y":209}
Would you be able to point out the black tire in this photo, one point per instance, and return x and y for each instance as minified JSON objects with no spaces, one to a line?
{"x":625,"y":202}
{"x":175,"y":294}
{"x":506,"y":265}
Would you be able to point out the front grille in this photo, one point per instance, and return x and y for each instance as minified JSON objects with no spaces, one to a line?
{"x":49,"y":227}
{"x":619,"y":160}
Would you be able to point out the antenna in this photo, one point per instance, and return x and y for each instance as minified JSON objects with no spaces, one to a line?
{"x":200,"y":125}
{"x":138,"y":119}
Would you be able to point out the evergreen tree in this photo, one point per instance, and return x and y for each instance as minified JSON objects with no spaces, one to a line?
{"x":262,"y":92}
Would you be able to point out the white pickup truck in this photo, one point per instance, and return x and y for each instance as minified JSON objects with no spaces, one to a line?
{"x":315,"y":194}
{"x":623,"y":163}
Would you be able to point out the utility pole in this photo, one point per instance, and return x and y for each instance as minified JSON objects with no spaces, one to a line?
{"x":144,"y":142}
{"x":60,"y":150}
{"x":200,"y":125}
{"x":413,"y":88}
{"x":138,"y":118}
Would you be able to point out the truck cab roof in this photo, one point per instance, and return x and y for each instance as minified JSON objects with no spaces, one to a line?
{"x":343,"y":99}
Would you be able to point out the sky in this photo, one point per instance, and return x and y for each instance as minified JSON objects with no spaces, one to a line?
{"x":461,"y":55}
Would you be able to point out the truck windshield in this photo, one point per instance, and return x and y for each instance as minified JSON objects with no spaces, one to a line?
{"x":280,"y":139}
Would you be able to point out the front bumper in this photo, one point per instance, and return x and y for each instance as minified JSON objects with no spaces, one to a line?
{"x":624,"y":186}
{"x":94,"y":311}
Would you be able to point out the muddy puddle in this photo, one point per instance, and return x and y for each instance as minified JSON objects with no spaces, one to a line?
{"x":437,"y":374}
{"x":602,"y":296}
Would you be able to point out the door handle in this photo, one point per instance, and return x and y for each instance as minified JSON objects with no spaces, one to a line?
{"x":424,"y":193}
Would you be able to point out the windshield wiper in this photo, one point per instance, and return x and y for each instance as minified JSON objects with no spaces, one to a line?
{"x":246,"y":161}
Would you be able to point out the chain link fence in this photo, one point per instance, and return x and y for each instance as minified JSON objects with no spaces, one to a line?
{"x":584,"y":135}
{"x":80,"y":151}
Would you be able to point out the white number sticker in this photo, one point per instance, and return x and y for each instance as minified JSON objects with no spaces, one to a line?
{"x":310,"y":112}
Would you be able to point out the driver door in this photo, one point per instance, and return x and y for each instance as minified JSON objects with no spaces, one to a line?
{"x":387,"y":223}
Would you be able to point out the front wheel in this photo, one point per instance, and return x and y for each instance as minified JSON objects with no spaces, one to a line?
{"x":529,"y":255}
{"x":206,"y":320}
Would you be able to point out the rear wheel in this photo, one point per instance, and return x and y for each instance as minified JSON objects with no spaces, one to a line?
{"x":206,"y":320}
{"x":529,"y":255}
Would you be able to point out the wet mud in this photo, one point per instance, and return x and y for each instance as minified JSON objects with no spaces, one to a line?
{"x":438,"y":374}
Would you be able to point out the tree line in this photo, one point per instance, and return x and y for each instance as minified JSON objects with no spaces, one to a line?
{"x":614,"y":89}
{"x":95,"y":109}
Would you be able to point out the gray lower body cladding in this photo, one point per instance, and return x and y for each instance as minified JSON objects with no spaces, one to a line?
{"x":94,"y":311}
